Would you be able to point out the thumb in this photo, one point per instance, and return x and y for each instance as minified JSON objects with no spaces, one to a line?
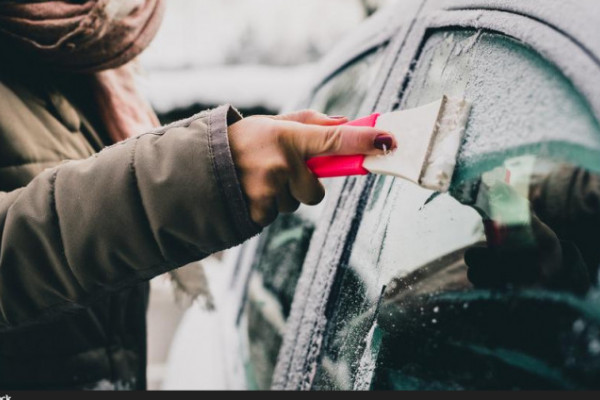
{"x":312,"y":141}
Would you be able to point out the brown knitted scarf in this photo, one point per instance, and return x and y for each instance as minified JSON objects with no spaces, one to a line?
{"x":96,"y":37}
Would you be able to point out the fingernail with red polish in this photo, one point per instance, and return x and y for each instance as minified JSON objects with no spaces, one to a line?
{"x":383,"y":142}
{"x":337,"y":117}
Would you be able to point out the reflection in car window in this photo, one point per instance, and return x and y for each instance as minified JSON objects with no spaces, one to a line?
{"x":283,"y":245}
{"x":271,"y":288}
{"x":494,"y":285}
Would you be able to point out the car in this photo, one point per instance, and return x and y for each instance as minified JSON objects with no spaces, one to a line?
{"x":493,"y":285}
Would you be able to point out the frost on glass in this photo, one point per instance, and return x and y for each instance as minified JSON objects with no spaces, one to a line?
{"x":344,"y":93}
{"x":283,"y":246}
{"x":519,"y":100}
{"x":270,"y":291}
{"x":495,"y":284}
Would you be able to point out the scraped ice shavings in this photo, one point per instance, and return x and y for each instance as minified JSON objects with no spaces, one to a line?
{"x":439,"y":166}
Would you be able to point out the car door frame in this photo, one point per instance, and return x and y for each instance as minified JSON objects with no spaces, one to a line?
{"x":375,"y":33}
{"x":315,"y":281}
{"x":526,"y":22}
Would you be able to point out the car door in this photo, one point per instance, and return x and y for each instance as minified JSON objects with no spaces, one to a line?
{"x":494,"y":284}
{"x":268,"y":268}
{"x":281,"y":249}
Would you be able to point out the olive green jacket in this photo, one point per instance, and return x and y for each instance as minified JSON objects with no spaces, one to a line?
{"x":73,"y":232}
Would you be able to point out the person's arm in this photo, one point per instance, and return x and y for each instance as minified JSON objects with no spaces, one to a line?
{"x":155,"y":202}
{"x":127,"y":214}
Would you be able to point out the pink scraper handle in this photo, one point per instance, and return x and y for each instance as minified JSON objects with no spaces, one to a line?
{"x":332,"y":166}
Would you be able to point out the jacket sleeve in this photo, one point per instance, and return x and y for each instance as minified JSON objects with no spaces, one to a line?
{"x":133,"y":211}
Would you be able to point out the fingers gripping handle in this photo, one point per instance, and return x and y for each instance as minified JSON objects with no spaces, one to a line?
{"x":333,"y":166}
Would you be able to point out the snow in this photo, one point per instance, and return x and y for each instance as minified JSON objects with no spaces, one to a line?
{"x":492,"y":66}
{"x":572,"y":16}
{"x":243,"y":86}
{"x":207,"y":352}
{"x":216,"y":32}
{"x":568,"y":47}
{"x":367,"y":363}
{"x":249,"y":53}
{"x":197,"y":340}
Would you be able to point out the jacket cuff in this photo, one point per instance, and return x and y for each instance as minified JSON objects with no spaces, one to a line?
{"x":218,"y":122}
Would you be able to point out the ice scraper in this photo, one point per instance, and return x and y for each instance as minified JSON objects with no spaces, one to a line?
{"x":428,"y":139}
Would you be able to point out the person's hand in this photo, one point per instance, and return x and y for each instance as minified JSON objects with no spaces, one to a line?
{"x":270,"y":154}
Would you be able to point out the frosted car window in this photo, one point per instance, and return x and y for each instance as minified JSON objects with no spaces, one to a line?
{"x":344,"y":93}
{"x":270,"y":291}
{"x":283,"y":245}
{"x":494,"y":285}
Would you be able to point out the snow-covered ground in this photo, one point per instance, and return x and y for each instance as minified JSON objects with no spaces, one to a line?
{"x":244,"y":86}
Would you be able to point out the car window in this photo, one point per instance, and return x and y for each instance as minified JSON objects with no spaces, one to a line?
{"x":493,"y":285}
{"x":283,"y":246}
{"x":344,"y":93}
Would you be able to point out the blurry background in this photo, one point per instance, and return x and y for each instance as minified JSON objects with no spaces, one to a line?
{"x":257,"y":55}
{"x":254,"y":54}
